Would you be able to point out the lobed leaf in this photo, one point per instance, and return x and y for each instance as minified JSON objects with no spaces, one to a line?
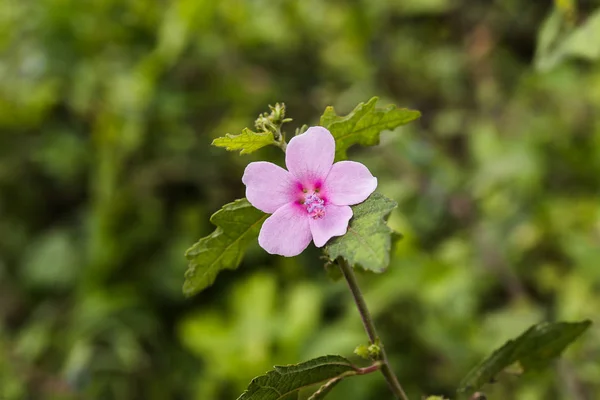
{"x":238,"y":224}
{"x":364,"y":124}
{"x":533,"y":350}
{"x":369,"y":240}
{"x":284,"y":381}
{"x":247,"y":142}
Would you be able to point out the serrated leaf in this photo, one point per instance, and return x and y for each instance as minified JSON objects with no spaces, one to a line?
{"x":247,"y":142}
{"x":534,"y":349}
{"x":364,"y":124}
{"x":325,"y":389}
{"x":285,"y":380}
{"x":368,"y":240}
{"x":238,"y":224}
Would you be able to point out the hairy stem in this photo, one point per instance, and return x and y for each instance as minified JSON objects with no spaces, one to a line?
{"x":367,"y":321}
{"x":279,"y":137}
{"x":282,"y":145}
{"x":371,"y":368}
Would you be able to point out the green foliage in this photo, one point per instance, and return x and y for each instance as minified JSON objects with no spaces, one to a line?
{"x":285,"y":380}
{"x":269,"y":132}
{"x":260,"y":326}
{"x":533,"y":350}
{"x":107,"y":109}
{"x":368,"y":240}
{"x":371,"y":351}
{"x":247,"y":142}
{"x":238,"y":224}
{"x":364,"y":124}
{"x":362,"y":350}
{"x":53,"y":262}
{"x":556,"y":43}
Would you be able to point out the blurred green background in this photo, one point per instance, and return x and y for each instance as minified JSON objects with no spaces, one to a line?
{"x":107,"y":111}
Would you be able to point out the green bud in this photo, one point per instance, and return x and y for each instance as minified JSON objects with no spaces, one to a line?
{"x":277,"y":113}
{"x":374,"y":350}
{"x":301,"y":130}
{"x":362,"y":351}
{"x":371,"y":351}
{"x":262,"y":123}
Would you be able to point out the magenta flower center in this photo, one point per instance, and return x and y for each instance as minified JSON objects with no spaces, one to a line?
{"x":315,"y":205}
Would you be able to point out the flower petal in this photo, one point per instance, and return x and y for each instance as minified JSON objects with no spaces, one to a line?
{"x":286,"y":232}
{"x":268,"y":186}
{"x":349,"y":183}
{"x":334,"y":223}
{"x":309,"y":156}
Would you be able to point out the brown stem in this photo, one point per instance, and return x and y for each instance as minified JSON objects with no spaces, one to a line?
{"x":371,"y":368}
{"x":369,"y":326}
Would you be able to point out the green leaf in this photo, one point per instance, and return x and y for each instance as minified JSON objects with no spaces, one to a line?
{"x":548,"y":34}
{"x":533,"y":350}
{"x":238,"y":224}
{"x":248,"y":141}
{"x":364,"y":124}
{"x":285,"y":380}
{"x":325,"y":389}
{"x":368,"y":240}
{"x":582,"y":42}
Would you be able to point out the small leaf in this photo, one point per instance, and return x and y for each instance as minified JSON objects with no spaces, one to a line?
{"x":534,"y":349}
{"x":584,"y":41}
{"x":248,"y":141}
{"x":238,"y":224}
{"x":368,"y":240}
{"x":364,"y":124}
{"x":325,"y":389}
{"x":285,"y":380}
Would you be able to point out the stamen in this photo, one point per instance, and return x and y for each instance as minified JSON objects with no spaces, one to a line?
{"x":315,"y":205}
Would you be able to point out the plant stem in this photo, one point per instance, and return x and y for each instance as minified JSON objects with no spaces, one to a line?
{"x":367,"y":321}
{"x":371,"y":368}
{"x":282,"y":145}
{"x":280,"y":138}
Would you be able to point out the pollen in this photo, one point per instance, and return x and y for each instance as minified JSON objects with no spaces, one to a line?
{"x":315,"y":205}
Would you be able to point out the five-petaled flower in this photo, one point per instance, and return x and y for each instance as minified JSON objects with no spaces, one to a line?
{"x":312,"y":200}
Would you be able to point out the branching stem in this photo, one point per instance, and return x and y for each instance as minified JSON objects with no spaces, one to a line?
{"x":367,"y":320}
{"x":371,"y":368}
{"x":280,"y":139}
{"x":282,"y":145}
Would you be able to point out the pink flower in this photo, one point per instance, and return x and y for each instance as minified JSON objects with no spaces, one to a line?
{"x":311,"y":201}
